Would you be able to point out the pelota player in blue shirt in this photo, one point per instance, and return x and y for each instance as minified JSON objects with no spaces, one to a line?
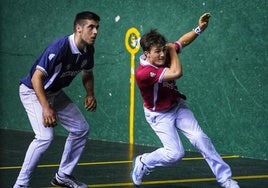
{"x":46,"y":103}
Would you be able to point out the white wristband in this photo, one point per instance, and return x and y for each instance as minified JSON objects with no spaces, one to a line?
{"x":197,"y":30}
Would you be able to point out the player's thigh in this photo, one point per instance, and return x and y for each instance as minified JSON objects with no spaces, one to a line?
{"x":72,"y":118}
{"x":163,"y":125}
{"x":187,"y":123}
{"x":34,"y":113}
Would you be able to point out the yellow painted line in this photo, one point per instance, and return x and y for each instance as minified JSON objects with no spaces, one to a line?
{"x":265,"y":176}
{"x":191,"y":180}
{"x":201,"y":158}
{"x":202,"y":179}
{"x":79,"y":164}
{"x":111,"y":185}
{"x":132,"y":45}
{"x":109,"y":162}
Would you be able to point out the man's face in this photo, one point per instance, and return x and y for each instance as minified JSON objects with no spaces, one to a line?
{"x":157,"y":55}
{"x":88,"y":31}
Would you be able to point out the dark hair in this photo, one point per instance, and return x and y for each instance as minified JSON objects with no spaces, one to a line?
{"x":85,"y":15}
{"x":152,"y":38}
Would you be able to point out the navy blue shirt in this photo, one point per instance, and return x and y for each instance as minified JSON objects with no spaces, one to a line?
{"x":60,"y":62}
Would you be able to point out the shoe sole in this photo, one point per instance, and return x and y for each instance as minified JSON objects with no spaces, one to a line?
{"x":56,"y":183}
{"x":131,"y":173}
{"x":132,"y":179}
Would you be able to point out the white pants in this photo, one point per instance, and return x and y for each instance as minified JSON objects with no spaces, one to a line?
{"x":166,"y":124}
{"x":69,"y":117}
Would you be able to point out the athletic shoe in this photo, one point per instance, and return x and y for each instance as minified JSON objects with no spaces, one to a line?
{"x":67,"y":181}
{"x":139,"y":169}
{"x":230,"y":184}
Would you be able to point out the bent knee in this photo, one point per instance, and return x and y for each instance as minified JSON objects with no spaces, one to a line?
{"x":43,"y":142}
{"x":198,"y":138}
{"x":174,"y":156}
{"x":84,"y":128}
{"x":45,"y":138}
{"x":83,"y":132}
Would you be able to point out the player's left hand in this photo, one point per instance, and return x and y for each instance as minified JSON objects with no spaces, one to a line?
{"x":203,"y":21}
{"x":90,"y":103}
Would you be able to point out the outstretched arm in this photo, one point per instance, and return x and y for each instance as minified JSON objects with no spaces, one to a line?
{"x":189,"y":37}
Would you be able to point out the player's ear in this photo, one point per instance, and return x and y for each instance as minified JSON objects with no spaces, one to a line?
{"x":146,"y":53}
{"x":78,"y":28}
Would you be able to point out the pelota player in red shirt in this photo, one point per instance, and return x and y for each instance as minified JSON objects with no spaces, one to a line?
{"x":165,"y":108}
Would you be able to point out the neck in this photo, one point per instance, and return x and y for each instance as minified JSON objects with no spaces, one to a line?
{"x":79,"y":43}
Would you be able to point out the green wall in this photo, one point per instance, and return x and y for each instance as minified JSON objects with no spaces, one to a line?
{"x":225,"y":69}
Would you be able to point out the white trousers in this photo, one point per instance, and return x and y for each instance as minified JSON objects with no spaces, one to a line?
{"x":69,"y":117}
{"x":166,"y":124}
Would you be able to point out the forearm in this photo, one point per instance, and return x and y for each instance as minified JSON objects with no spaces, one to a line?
{"x":174,"y":71}
{"x":88,"y":82}
{"x":49,"y":116}
{"x":38,"y":86}
{"x":175,"y":64}
{"x":187,"y":38}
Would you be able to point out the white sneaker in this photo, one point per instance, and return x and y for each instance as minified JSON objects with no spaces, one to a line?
{"x":139,"y":169}
{"x":230,"y":184}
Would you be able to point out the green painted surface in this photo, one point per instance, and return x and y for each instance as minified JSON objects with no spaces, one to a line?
{"x":225,"y":69}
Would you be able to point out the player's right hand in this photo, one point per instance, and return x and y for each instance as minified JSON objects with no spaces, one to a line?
{"x":49,"y":117}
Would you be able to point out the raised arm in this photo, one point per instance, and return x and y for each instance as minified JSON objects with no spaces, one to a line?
{"x":189,"y":37}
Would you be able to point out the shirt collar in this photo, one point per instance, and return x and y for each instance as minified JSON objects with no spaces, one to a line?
{"x":73,"y":46}
{"x":143,"y":60}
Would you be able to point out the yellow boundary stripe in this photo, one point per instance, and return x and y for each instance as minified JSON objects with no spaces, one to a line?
{"x":110,"y":162}
{"x":192,"y":180}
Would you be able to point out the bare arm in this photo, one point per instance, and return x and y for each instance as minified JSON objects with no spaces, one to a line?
{"x":88,"y":82}
{"x":189,"y":37}
{"x":174,"y":71}
{"x":49,"y":116}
